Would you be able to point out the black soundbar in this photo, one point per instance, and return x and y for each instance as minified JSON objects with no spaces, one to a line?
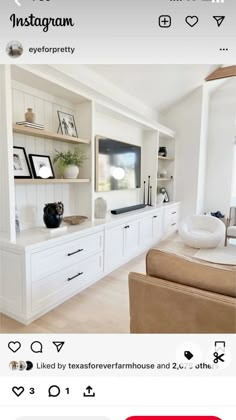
{"x":126,"y":209}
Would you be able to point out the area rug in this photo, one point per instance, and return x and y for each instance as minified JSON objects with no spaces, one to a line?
{"x":221,"y":255}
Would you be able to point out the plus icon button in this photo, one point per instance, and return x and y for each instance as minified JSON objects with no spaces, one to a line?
{"x":165,"y":21}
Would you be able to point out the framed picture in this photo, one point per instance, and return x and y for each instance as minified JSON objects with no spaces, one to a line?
{"x":67,"y":124}
{"x":41,"y":166}
{"x":163,"y":191}
{"x":20,"y":163}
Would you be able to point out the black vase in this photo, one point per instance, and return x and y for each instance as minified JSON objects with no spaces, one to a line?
{"x":162,"y":151}
{"x":53,"y":215}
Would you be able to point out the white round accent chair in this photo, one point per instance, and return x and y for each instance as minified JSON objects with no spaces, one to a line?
{"x":202,"y":231}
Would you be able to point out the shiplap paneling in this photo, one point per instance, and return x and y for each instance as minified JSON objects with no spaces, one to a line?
{"x":30,"y":199}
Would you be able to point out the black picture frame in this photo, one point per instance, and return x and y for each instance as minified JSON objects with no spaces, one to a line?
{"x":21,"y":165}
{"x":163,"y":191}
{"x":43,"y":160}
{"x":67,"y":124}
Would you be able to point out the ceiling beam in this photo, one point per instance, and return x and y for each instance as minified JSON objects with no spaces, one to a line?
{"x":222,"y":73}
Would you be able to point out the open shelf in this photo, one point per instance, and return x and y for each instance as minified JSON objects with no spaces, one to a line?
{"x":165,"y":158}
{"x":164,"y":179}
{"x":47,"y":134}
{"x":31,"y":181}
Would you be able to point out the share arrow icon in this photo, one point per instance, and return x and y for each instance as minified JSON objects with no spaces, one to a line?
{"x":58,"y":345}
{"x":219,"y":20}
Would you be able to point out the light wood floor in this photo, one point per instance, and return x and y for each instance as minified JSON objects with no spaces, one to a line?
{"x":102,"y":308}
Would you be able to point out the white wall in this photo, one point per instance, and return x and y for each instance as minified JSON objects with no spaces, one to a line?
{"x":186,"y":119}
{"x":101,"y":88}
{"x":220,"y":147}
{"x":113,"y":128}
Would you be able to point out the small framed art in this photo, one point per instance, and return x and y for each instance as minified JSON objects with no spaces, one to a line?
{"x":67,"y":124}
{"x":20,"y":163}
{"x":41,"y":166}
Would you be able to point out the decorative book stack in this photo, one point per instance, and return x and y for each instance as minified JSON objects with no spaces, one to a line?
{"x":31,"y":125}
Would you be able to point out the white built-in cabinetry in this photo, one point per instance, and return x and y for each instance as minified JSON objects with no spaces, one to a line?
{"x":40,"y":271}
{"x":37,"y":272}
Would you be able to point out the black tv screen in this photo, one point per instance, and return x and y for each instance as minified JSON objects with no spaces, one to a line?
{"x":118,"y":165}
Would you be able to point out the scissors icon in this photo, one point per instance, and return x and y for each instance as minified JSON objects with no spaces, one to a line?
{"x":218,"y":357}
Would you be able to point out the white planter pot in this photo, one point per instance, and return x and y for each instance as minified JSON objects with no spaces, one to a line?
{"x":100,"y":208}
{"x":71,"y":172}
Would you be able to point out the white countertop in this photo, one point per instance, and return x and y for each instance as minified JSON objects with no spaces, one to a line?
{"x":41,"y":236}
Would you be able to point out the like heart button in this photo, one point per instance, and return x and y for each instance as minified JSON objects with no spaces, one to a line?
{"x":14,"y":346}
{"x":192,"y":20}
{"x":18,"y":391}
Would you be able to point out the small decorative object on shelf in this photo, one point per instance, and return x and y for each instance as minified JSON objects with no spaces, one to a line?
{"x":162,"y":151}
{"x":70,"y":162}
{"x":163,"y":191}
{"x":17,"y":221}
{"x":41,"y":166}
{"x":53,"y":214}
{"x":100,"y":208}
{"x":20,"y":163}
{"x":163,"y":173}
{"x":74,"y":220}
{"x":150,"y":197}
{"x":160,"y":198}
{"x":144,"y":192}
{"x":30,"y":125}
{"x":30,"y":116}
{"x":67,"y":124}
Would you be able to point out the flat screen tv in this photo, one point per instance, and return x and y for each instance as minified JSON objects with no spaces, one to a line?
{"x":118,"y":165}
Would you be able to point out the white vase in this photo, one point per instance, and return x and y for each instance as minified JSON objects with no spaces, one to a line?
{"x":100,"y":208}
{"x":71,"y":172}
{"x":160,"y":198}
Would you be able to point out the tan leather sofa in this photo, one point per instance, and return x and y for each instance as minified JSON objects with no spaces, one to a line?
{"x":182,"y":295}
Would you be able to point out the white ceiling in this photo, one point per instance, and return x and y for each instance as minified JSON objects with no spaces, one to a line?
{"x":158,"y":86}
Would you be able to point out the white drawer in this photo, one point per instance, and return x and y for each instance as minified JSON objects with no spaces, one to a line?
{"x":59,"y":257}
{"x":62,"y":284}
{"x":171,"y":218}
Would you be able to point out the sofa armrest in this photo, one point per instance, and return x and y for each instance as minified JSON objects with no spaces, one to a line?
{"x":161,"y":306}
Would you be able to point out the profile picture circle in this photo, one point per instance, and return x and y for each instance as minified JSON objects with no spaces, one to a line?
{"x":13,"y":365}
{"x":14,"y":49}
{"x":22,"y":365}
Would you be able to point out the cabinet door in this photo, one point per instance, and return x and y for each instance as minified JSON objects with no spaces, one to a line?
{"x":114,"y":247}
{"x":146,"y":232}
{"x":157,"y":227}
{"x":131,"y":238}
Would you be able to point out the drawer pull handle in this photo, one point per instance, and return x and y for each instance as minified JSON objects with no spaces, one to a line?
{"x":174,"y":212}
{"x":173,"y":224}
{"x":76,"y":252}
{"x":154,"y":217}
{"x":127,"y":227}
{"x":74,"y":277}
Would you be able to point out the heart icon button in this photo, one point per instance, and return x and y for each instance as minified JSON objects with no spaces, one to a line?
{"x":192,"y":20}
{"x":14,"y":346}
{"x":18,"y":390}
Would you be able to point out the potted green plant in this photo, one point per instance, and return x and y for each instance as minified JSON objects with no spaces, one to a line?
{"x":70,"y":162}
